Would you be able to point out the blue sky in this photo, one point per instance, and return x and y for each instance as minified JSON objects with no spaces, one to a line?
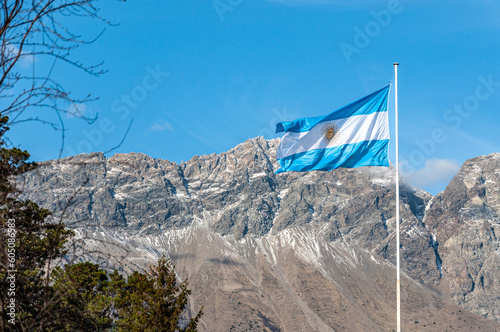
{"x":199,"y":77}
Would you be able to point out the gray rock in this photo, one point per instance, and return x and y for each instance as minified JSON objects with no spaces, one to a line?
{"x":131,"y":208}
{"x":464,"y":220}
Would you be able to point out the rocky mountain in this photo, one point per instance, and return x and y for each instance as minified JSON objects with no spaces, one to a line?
{"x":465,"y":225}
{"x":290,"y":252}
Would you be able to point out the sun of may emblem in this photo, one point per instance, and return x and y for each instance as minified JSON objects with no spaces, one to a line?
{"x":330,"y":132}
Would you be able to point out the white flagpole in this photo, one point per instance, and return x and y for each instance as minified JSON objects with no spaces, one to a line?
{"x":398,"y":285}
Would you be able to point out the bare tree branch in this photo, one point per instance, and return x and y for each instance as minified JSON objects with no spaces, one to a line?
{"x":29,"y":32}
{"x":32,"y":32}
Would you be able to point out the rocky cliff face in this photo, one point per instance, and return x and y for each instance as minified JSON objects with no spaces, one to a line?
{"x":465,"y":223}
{"x":294,"y":251}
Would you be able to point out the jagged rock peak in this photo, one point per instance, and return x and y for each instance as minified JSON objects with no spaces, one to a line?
{"x":465,"y":222}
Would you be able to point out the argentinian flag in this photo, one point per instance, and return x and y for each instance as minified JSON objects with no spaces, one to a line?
{"x":353,"y":136}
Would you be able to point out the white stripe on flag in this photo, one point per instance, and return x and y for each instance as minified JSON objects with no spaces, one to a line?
{"x":354,"y":129}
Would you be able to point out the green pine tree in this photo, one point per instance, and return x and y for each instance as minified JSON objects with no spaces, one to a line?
{"x":154,"y":301}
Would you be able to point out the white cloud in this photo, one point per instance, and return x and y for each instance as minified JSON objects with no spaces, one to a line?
{"x":25,"y":60}
{"x":76,"y":110}
{"x":434,"y":172}
{"x":161,"y":125}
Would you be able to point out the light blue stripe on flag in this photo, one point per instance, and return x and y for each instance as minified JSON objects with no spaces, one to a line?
{"x":353,"y":136}
{"x":367,"y":153}
{"x":375,"y":102}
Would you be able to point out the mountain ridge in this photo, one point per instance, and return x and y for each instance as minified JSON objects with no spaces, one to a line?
{"x":143,"y":207}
